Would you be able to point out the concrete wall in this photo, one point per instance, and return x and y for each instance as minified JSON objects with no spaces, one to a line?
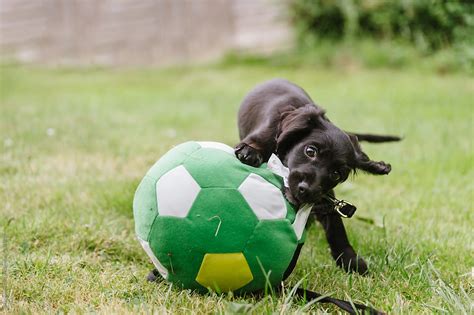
{"x":139,"y":32}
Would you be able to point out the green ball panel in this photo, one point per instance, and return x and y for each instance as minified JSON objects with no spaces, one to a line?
{"x":223,"y":227}
{"x":144,"y":207}
{"x":269,"y":251}
{"x":210,"y":227}
{"x":216,"y":168}
{"x":291,"y":213}
{"x":170,"y":242}
{"x":173,"y":158}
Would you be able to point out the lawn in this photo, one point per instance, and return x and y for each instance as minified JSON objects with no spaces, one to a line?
{"x":76,"y":142}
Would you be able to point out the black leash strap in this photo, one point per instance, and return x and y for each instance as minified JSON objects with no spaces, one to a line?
{"x":351,"y":308}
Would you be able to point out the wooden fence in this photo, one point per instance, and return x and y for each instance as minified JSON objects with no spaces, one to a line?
{"x":139,"y":32}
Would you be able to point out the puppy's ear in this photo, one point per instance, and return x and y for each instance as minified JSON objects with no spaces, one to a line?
{"x":295,"y":123}
{"x":363,"y":162}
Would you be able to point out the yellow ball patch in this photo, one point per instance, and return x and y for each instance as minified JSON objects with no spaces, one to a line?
{"x":224,"y":272}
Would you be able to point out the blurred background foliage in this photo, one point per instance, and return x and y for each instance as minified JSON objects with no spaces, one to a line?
{"x":400,"y":31}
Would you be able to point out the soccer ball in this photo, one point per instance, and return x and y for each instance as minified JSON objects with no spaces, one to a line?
{"x":207,"y":221}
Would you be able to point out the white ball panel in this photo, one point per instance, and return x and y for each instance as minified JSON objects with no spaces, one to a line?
{"x":176,"y":192}
{"x":266,"y":200}
{"x":300,"y":220}
{"x":216,"y":145}
{"x":161,"y":269}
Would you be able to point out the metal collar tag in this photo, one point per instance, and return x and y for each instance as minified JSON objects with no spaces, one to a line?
{"x":345,"y":209}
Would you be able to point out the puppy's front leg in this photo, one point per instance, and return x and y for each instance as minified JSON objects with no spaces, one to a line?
{"x":341,"y":249}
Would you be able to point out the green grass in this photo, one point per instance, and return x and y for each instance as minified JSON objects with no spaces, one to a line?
{"x":75,"y":144}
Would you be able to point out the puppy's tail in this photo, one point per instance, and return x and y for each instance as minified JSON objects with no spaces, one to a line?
{"x":375,"y":138}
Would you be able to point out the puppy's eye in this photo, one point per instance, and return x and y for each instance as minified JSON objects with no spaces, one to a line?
{"x":335,"y":176}
{"x":310,"y":151}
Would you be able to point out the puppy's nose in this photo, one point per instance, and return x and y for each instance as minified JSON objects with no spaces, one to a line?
{"x":302,"y":188}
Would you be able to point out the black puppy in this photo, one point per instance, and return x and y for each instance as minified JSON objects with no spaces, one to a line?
{"x":279,"y":117}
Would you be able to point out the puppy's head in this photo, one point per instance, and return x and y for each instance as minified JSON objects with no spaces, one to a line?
{"x":318,"y":154}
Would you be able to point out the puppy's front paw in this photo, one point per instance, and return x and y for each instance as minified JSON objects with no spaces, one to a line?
{"x":351,"y":262}
{"x":384,"y":168}
{"x":153,"y":276}
{"x":248,"y":155}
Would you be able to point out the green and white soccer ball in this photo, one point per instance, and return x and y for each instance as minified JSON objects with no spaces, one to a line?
{"x":207,"y":221}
